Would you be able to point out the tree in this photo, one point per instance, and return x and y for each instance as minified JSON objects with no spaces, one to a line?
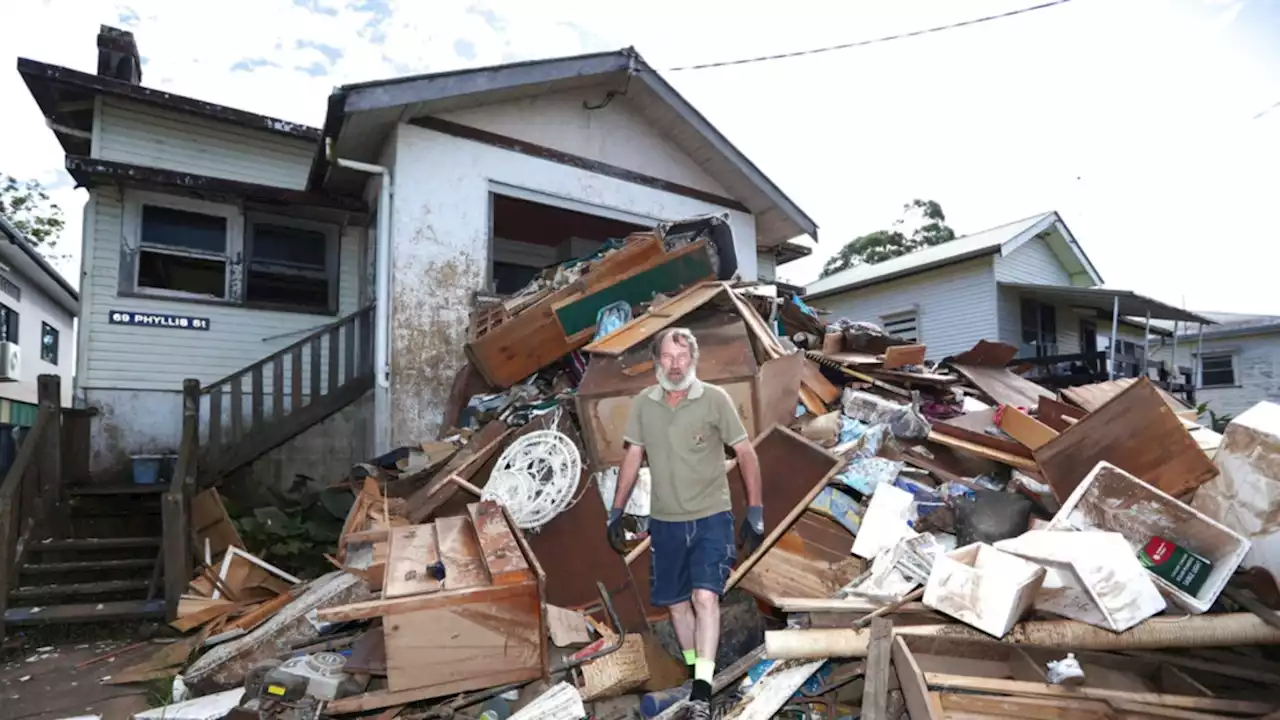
{"x":930,"y":229}
{"x":26,"y":205}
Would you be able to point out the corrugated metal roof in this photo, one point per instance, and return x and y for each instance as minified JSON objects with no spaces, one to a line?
{"x":1131,"y":304}
{"x":962,"y":248}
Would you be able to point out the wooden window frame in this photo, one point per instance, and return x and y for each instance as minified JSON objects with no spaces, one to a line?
{"x":135,"y":201}
{"x":331,"y":259}
{"x":1235,"y":369}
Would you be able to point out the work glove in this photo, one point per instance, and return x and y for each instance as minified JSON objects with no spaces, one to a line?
{"x":751,"y":532}
{"x":617,"y":535}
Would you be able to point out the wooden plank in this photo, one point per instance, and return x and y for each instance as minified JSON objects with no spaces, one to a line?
{"x":1058,"y":415}
{"x":277,"y":388}
{"x":674,"y":271}
{"x":1025,"y":429}
{"x":875,"y":698}
{"x":257,"y":398}
{"x":1004,"y":387}
{"x":654,"y":321}
{"x":237,"y":411}
{"x":315,"y":368}
{"x":295,"y":391}
{"x":1092,"y":397}
{"x":1173,"y":680}
{"x":813,"y":379}
{"x":460,"y":552}
{"x":388,"y":698}
{"x":370,"y":609}
{"x":1024,"y":708}
{"x":260,"y":614}
{"x":921,"y":704}
{"x":1241,"y":668}
{"x":1020,"y":463}
{"x":986,"y":353}
{"x":412,"y":550}
{"x":215,"y":440}
{"x":502,"y":556}
{"x":777,"y":391}
{"x":1136,"y":432}
{"x":1027,"y":689}
{"x":978,"y":427}
{"x":424,"y":501}
{"x":471,"y":642}
{"x":331,"y":338}
{"x":896,"y":356}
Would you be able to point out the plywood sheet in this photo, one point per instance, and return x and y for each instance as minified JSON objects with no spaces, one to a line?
{"x":1002,"y":386}
{"x":464,"y":565}
{"x":1135,"y":431}
{"x":412,"y":550}
{"x":778,"y":390}
{"x":976,"y":427}
{"x":502,"y":556}
{"x":1092,"y":397}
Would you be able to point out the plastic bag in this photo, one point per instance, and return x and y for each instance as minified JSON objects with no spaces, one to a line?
{"x":904,"y":421}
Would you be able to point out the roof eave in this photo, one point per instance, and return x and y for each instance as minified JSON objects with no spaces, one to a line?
{"x":16,"y":237}
{"x":906,"y":272}
{"x":37,"y":74}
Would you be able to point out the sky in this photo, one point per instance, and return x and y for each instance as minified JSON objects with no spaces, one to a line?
{"x":1151,"y":126}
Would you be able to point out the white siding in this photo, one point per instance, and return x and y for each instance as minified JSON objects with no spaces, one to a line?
{"x":440,"y":252}
{"x":766,"y":267}
{"x":1257,"y":366}
{"x":615,"y":134}
{"x":35,"y":308}
{"x":956,"y":305}
{"x":142,"y":358}
{"x":153,"y":137}
{"x":1032,"y":262}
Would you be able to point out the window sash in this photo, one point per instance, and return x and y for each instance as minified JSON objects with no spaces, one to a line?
{"x":1217,"y":370}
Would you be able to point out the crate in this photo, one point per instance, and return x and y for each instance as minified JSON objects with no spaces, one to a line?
{"x":1111,"y":499}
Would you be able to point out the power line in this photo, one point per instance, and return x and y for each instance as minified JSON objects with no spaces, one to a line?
{"x":873,"y":41}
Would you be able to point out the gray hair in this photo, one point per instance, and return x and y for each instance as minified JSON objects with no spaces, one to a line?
{"x":682,"y":336}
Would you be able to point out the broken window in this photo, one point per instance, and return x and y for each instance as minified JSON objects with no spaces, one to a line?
{"x":48,"y":343}
{"x":8,"y":324}
{"x":1039,"y":328}
{"x":1218,"y":370}
{"x":291,"y":264}
{"x":529,"y":236}
{"x":905,"y":325}
{"x":182,"y":252}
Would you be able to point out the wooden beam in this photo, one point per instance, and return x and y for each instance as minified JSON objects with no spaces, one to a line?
{"x":1028,"y":689}
{"x":543,"y":152}
{"x":875,"y":698}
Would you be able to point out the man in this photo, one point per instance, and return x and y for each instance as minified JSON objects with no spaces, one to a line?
{"x":681,"y":425}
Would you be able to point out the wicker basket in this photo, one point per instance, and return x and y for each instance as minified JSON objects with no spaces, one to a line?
{"x":620,"y":671}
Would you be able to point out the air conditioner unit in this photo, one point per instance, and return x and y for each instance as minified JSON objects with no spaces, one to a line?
{"x":10,"y":361}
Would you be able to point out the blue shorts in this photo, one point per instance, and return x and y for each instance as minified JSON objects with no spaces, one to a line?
{"x":690,"y":554}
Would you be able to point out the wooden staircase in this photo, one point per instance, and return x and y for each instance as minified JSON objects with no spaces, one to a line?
{"x":86,"y":553}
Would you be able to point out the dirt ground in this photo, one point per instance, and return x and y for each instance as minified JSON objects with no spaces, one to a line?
{"x":43,"y":682}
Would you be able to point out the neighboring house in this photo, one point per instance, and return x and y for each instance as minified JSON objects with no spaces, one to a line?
{"x":38,"y":310}
{"x":1027,"y":283}
{"x":215,"y":237}
{"x":1237,"y":361}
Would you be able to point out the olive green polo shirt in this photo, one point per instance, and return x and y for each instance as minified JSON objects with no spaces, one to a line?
{"x":685,"y":449}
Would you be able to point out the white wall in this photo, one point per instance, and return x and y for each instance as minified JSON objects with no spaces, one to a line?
{"x":147,"y":358}
{"x":957,"y":305}
{"x":766,"y":267}
{"x":616,"y":134}
{"x":1257,"y":366}
{"x":440,"y":235}
{"x":153,"y":137}
{"x":1031,"y":262}
{"x":35,"y":308}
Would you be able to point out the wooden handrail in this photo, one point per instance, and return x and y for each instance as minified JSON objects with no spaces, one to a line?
{"x":317,"y":333}
{"x":175,"y":506}
{"x":244,"y":424}
{"x":31,"y":491}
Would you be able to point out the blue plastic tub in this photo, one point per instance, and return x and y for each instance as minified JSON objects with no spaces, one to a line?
{"x":146,"y":469}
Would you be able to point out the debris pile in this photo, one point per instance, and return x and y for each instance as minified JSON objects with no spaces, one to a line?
{"x":943,"y":538}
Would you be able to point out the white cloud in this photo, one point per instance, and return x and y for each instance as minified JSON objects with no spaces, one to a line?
{"x":1132,"y":119}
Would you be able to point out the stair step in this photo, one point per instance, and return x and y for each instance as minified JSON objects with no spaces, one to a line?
{"x":46,"y":592}
{"x":117,"y":489}
{"x":61,"y":567}
{"x":85,"y":612}
{"x":123,"y":543}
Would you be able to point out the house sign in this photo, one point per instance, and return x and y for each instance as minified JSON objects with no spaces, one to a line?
{"x":160,"y":320}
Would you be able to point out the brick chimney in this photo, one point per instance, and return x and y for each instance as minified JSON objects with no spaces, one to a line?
{"x":118,"y":55}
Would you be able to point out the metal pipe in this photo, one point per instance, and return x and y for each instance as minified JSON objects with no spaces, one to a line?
{"x":1146,"y":344}
{"x":1174,"y":375}
{"x":1115,"y":323}
{"x":1199,"y":374}
{"x":382,"y":297}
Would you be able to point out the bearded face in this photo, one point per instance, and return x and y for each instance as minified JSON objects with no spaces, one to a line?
{"x":675,"y":369}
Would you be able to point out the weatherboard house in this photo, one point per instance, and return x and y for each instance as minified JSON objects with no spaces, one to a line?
{"x":318,"y":282}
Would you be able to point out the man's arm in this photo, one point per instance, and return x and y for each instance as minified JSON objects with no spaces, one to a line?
{"x":749,"y":464}
{"x":627,"y":475}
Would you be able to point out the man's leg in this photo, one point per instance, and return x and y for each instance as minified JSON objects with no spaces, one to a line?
{"x":710,"y":560}
{"x":669,"y":583}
